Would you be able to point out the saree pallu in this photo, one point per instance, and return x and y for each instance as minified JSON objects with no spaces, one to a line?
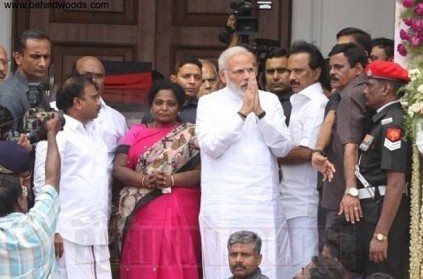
{"x":163,"y":239}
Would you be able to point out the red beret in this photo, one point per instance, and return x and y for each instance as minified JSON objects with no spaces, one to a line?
{"x":14,"y":158}
{"x":387,"y":70}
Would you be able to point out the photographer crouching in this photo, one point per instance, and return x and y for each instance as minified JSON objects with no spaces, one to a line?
{"x":26,"y":237}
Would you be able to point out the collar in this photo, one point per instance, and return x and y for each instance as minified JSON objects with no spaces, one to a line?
{"x":383,"y":110}
{"x":256,"y":275}
{"x":8,"y":221}
{"x":74,"y":124}
{"x":191,"y":102}
{"x":358,"y":81}
{"x":20,"y":78}
{"x":385,"y":105}
{"x":285,"y":95}
{"x":310,"y":91}
{"x":102,"y":103}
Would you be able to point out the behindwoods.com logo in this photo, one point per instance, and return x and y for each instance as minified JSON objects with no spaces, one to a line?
{"x":55,"y":5}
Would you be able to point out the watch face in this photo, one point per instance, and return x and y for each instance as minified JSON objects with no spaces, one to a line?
{"x":353,"y":192}
{"x":379,"y":236}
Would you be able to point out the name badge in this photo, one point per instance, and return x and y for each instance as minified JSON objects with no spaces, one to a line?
{"x":386,"y":121}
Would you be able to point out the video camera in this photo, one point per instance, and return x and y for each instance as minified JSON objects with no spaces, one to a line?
{"x":32,"y":125}
{"x":246,"y":23}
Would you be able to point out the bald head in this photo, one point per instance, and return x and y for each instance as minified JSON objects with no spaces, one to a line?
{"x":4,"y":63}
{"x":92,"y":68}
{"x":210,"y":78}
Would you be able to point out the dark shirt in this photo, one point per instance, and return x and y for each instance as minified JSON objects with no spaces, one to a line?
{"x":13,"y":96}
{"x":284,"y":98}
{"x":384,"y":152}
{"x":256,"y":275}
{"x":349,"y":127}
{"x":188,"y":113}
{"x":385,"y":149}
{"x":333,"y":102}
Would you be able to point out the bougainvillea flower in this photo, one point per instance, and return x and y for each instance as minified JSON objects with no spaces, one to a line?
{"x":419,"y":9}
{"x":408,"y":3}
{"x":402,"y":50}
{"x":404,"y":35}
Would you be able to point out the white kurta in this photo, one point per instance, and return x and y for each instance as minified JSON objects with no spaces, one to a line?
{"x":83,"y":190}
{"x":113,"y":127}
{"x":299,"y":181}
{"x":239,"y":180}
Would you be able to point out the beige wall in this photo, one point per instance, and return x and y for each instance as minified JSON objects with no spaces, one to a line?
{"x":318,"y":21}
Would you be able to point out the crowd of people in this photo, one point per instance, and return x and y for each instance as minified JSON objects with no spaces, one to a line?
{"x":297,"y":171}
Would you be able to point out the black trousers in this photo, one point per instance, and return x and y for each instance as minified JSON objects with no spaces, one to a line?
{"x":398,"y":238}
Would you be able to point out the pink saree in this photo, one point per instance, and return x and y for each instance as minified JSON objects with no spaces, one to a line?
{"x":162,"y":239}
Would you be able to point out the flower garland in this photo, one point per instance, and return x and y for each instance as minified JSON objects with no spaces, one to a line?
{"x":411,"y":47}
{"x":412,"y":35}
{"x":416,"y":226}
{"x":412,"y":101}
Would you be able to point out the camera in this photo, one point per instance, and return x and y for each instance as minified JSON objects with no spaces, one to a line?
{"x":245,"y":22}
{"x":32,"y":125}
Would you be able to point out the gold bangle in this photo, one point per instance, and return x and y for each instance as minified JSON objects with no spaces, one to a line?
{"x":172,"y":181}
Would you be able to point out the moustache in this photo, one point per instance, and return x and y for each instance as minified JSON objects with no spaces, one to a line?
{"x":236,"y":266}
{"x":334,"y":78}
{"x":294,"y":82}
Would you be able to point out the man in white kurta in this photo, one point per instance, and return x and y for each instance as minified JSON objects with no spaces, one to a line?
{"x":81,"y":240}
{"x":300,"y":197}
{"x":241,"y":131}
{"x":111,"y":122}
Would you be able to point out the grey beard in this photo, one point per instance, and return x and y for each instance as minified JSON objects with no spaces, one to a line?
{"x":235,"y":89}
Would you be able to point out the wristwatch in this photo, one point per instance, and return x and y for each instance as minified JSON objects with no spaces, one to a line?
{"x":320,"y":151}
{"x":352,"y":191}
{"x":380,"y":237}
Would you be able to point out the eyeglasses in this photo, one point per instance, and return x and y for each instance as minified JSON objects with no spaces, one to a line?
{"x":4,"y":62}
{"x":89,"y":75}
{"x":240,"y":72}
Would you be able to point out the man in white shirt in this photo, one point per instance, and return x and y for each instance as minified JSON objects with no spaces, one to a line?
{"x":111,"y":122}
{"x":241,"y":132}
{"x":81,"y":240}
{"x":307,"y":73}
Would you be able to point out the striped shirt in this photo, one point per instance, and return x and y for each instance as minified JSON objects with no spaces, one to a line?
{"x":26,"y":240}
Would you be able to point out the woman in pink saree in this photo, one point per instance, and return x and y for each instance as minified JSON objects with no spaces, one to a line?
{"x":158,"y":208}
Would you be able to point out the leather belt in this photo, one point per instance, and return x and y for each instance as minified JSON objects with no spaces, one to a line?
{"x":369,"y":192}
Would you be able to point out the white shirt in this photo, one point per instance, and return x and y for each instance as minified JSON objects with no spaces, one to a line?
{"x":83,"y":193}
{"x":299,"y":182}
{"x":113,"y":127}
{"x":239,"y":177}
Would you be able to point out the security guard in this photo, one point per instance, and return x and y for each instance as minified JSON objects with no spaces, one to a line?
{"x":382,"y":175}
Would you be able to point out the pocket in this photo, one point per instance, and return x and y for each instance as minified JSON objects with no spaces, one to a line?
{"x":370,"y":210}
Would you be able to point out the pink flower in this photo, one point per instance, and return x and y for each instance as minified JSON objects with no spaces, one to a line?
{"x":415,"y":41}
{"x":408,"y":3}
{"x":416,"y":25}
{"x":404,"y":35}
{"x":407,"y":21}
{"x":402,"y":50}
{"x":419,"y":9}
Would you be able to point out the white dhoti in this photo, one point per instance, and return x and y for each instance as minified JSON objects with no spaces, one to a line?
{"x":84,"y":261}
